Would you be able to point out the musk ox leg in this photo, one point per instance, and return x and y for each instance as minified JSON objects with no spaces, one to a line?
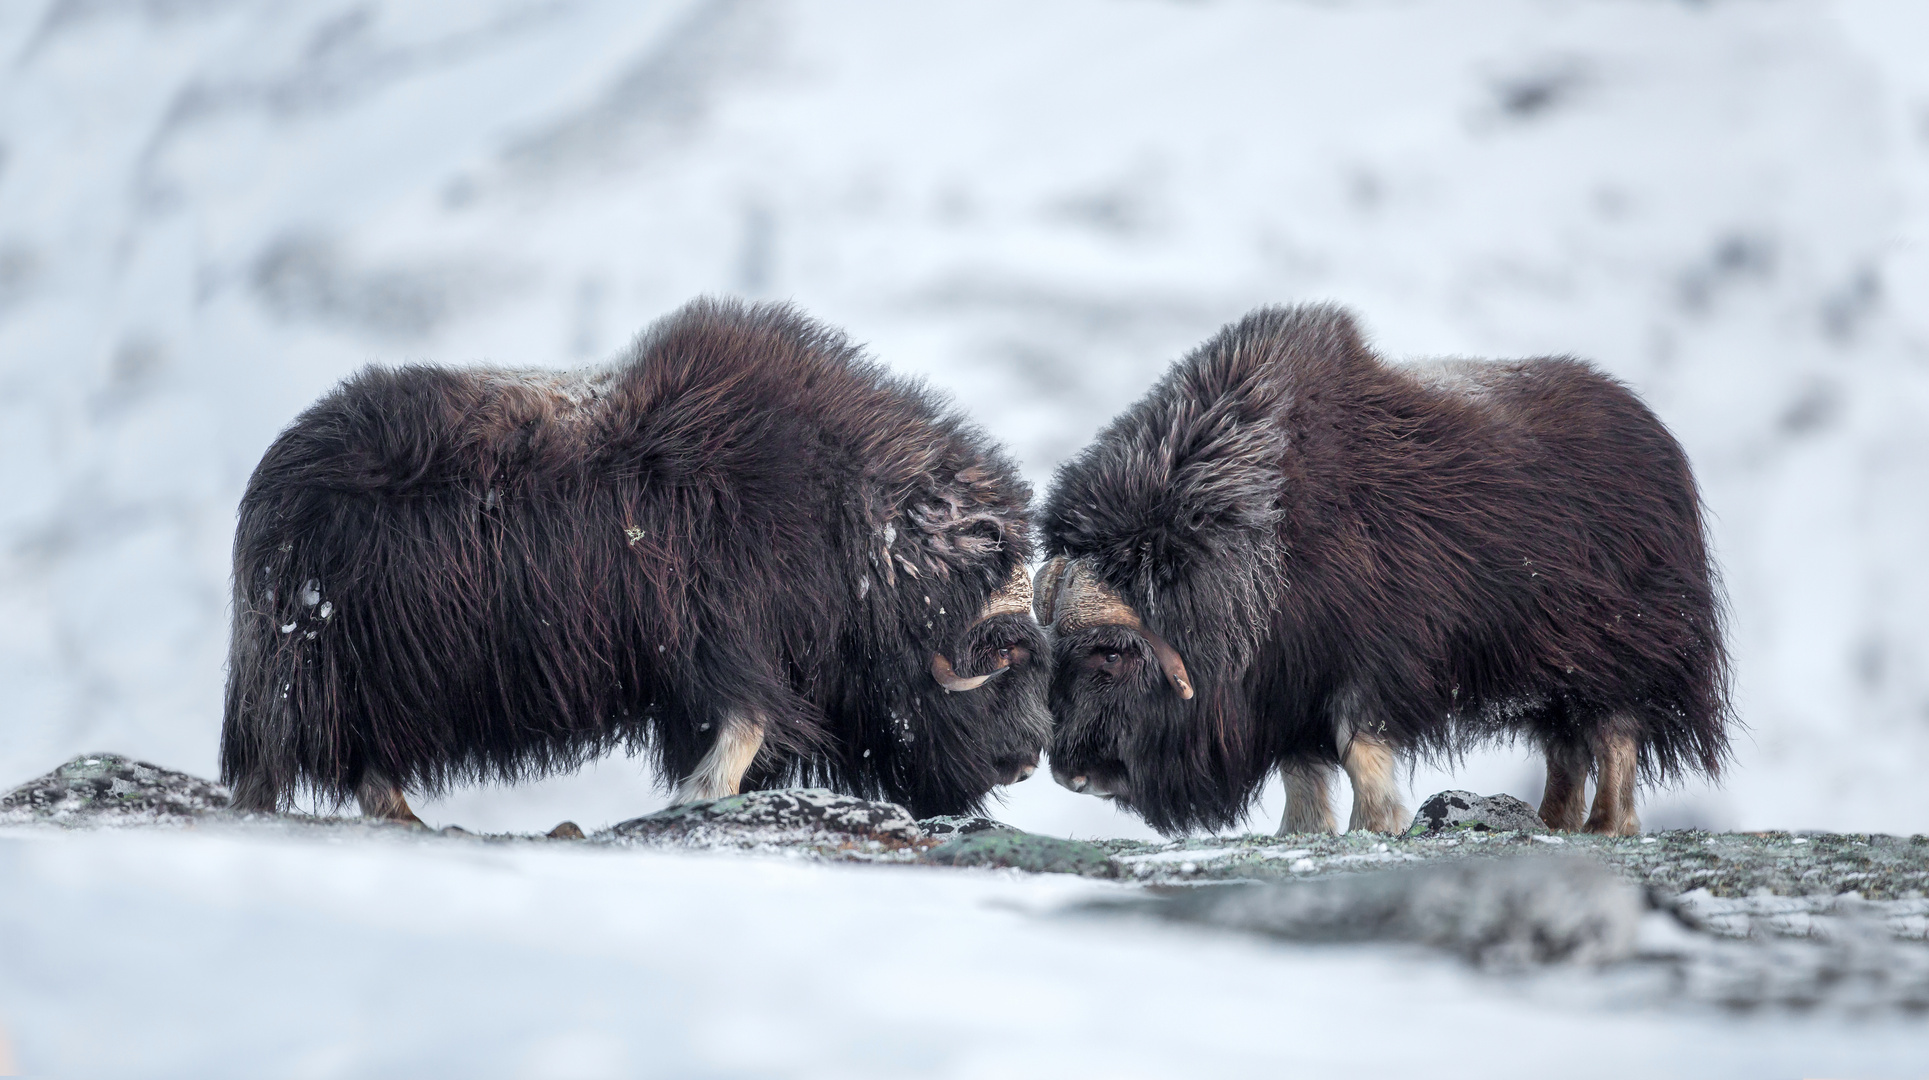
{"x":1613,"y":813}
{"x":255,"y":794}
{"x":1376,"y":797}
{"x":382,"y":800}
{"x":1564,"y":802}
{"x":1309,"y":799}
{"x":721,"y":771}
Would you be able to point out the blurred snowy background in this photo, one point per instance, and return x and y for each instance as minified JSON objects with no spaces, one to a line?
{"x":211,"y":211}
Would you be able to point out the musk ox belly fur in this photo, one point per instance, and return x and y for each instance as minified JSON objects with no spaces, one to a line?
{"x":742,"y":548}
{"x":1348,"y":559}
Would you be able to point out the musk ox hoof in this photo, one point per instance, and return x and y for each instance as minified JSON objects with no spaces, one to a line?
{"x":1465,"y":810}
{"x":108,"y":789}
{"x":568,"y":830}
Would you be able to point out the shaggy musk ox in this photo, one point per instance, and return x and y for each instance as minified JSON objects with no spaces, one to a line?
{"x":1291,"y":554}
{"x":743,"y":548}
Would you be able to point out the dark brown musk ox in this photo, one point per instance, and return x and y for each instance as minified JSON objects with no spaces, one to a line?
{"x":742,"y":548}
{"x":1292,"y":555}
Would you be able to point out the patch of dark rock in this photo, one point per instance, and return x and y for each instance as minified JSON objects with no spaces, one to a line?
{"x":1497,"y":912}
{"x":1465,"y":810}
{"x":1011,"y":849}
{"x":108,"y":789}
{"x":811,"y":816}
{"x":961,"y":826}
{"x":567,"y":830}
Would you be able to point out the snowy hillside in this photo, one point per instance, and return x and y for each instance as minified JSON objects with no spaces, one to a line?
{"x":211,"y":212}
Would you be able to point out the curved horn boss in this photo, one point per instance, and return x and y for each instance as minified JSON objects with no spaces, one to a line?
{"x":1070,"y":597}
{"x":1014,"y":597}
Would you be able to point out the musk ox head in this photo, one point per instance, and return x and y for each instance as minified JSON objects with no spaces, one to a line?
{"x":998,"y":684}
{"x":1170,"y":565}
{"x":975,"y":715}
{"x":1156,"y":721}
{"x":960,"y":711}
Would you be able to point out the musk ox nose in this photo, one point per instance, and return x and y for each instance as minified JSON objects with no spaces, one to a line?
{"x":1067,"y":780}
{"x":1018,"y":769}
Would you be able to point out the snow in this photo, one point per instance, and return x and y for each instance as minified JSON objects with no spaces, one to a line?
{"x":216,"y":953}
{"x":210,"y":213}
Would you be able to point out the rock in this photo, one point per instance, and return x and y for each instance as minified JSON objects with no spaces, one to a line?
{"x":568,"y":830}
{"x":1009,"y":848}
{"x":960,"y":826}
{"x":789,"y":816}
{"x":1465,"y":810}
{"x":1504,"y":913}
{"x":108,"y":789}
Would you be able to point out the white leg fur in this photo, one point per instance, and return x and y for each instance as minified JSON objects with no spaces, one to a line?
{"x":1614,"y":774}
{"x":721,"y":771}
{"x":1376,"y":797}
{"x":1309,"y":799}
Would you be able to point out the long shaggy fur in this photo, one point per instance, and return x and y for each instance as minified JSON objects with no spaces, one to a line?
{"x":451,"y":575}
{"x":1434,"y":556}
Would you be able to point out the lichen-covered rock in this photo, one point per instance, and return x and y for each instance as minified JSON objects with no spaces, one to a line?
{"x":790,"y":816}
{"x":1497,"y":912}
{"x":961,"y":826}
{"x":1009,"y":848}
{"x":1465,"y":810}
{"x":108,"y":789}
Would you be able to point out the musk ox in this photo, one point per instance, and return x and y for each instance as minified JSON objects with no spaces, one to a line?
{"x":743,"y":548}
{"x":1291,"y":554}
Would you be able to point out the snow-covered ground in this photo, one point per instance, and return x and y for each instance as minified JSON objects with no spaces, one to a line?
{"x":215,"y":953}
{"x":210,"y":212}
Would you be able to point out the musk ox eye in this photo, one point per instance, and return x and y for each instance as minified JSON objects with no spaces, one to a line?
{"x":1107,"y":664}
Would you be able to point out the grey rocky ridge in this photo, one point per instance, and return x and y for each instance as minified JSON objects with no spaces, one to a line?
{"x":1736,"y":920}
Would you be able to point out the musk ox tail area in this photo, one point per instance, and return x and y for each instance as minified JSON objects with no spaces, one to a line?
{"x":448,"y":575}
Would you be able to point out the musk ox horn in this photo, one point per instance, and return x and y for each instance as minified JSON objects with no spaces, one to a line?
{"x":1045,"y":590}
{"x":1169,"y":662}
{"x":949,"y":678}
{"x":1013,"y":598}
{"x":1078,"y":599}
